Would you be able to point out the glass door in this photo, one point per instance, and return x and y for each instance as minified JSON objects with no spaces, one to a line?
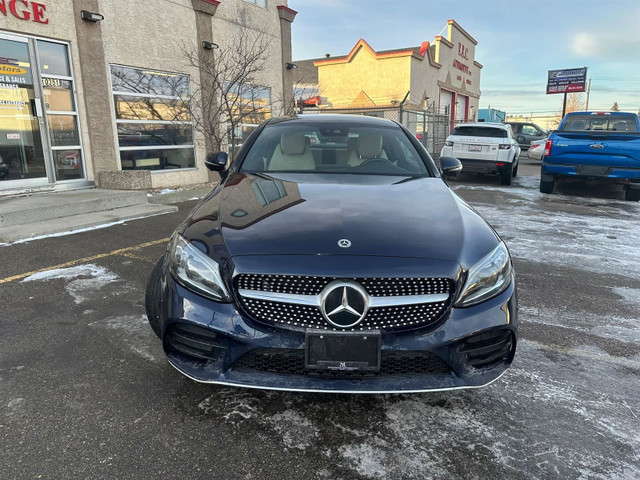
{"x":60,"y":110}
{"x":23,"y":148}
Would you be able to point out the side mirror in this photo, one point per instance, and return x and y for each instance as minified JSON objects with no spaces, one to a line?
{"x":451,"y":167}
{"x":216,"y":162}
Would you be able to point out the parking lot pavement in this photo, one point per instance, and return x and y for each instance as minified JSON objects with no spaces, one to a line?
{"x":85,"y":391}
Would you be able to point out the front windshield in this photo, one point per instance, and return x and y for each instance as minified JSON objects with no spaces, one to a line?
{"x":333,"y":147}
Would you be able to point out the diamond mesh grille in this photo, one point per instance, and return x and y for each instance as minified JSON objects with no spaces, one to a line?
{"x":379,"y":318}
{"x":377,"y":287}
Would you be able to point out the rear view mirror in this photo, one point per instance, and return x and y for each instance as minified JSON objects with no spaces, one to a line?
{"x":216,"y":162}
{"x":451,"y":167}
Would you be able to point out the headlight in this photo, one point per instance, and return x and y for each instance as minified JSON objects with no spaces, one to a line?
{"x":196,"y":271}
{"x":487,"y":278}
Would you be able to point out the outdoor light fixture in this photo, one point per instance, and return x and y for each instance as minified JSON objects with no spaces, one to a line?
{"x":209,"y":45}
{"x":91,"y":17}
{"x":290,"y":66}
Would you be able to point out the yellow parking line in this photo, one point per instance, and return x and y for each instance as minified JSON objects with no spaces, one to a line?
{"x":136,"y":257}
{"x":120,"y":251}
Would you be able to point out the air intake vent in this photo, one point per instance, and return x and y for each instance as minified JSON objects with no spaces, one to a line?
{"x":488,"y":349}
{"x":193,"y":341}
{"x":291,"y":362}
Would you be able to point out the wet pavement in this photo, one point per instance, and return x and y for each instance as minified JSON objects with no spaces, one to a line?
{"x":85,"y":391}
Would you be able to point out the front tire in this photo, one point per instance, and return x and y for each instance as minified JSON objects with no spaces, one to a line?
{"x":632,"y":194}
{"x":547,"y":183}
{"x":507,"y":175}
{"x":152,"y":297}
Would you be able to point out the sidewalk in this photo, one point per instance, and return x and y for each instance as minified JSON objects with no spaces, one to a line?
{"x":40,"y":215}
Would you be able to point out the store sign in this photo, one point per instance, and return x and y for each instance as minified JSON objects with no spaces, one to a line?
{"x":570,"y":80}
{"x":25,"y":10}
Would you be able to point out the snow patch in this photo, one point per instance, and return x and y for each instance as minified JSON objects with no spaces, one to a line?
{"x":296,"y":430}
{"x":556,"y":230}
{"x":630,"y":295}
{"x":95,"y":277}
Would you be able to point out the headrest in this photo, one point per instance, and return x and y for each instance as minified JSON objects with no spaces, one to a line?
{"x":620,"y":126}
{"x":578,"y":125}
{"x":369,"y":145}
{"x":293,"y":143}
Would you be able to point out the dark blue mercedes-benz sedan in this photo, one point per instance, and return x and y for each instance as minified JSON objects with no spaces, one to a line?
{"x":333,"y":257}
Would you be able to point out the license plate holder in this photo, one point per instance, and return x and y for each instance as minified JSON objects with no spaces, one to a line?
{"x":475,"y":148}
{"x":343,"y":351}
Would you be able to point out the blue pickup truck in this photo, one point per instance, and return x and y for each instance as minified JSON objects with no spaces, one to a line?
{"x":594,"y":145}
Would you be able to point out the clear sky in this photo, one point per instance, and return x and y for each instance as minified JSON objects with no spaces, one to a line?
{"x":518,"y":42}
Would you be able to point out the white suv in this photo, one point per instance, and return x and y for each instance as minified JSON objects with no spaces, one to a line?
{"x":484,"y":148}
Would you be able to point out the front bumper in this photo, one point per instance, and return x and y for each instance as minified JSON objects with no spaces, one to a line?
{"x":229,"y":338}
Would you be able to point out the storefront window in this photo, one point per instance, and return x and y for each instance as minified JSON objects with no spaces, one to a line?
{"x":153,"y":119}
{"x":252,"y":107}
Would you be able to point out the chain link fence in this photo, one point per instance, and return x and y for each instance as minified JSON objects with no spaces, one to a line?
{"x":431,"y":129}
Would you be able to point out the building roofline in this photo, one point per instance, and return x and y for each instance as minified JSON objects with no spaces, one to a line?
{"x":462,"y":31}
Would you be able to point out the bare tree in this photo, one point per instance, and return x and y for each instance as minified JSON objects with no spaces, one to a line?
{"x":615,"y":107}
{"x":575,"y":103}
{"x":227,"y":92}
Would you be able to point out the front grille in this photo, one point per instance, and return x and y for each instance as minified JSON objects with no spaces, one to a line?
{"x":488,"y":349}
{"x":291,"y":362}
{"x":386,"y":318}
{"x":378,"y":287}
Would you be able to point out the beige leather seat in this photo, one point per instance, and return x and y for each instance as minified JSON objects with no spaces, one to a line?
{"x":293,"y":153}
{"x":369,"y":146}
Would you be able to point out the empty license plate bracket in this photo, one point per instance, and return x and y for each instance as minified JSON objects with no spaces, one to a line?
{"x":343,"y":351}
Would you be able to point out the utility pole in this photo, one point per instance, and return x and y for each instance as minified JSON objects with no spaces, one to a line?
{"x":588,"y":92}
{"x":564,"y":105}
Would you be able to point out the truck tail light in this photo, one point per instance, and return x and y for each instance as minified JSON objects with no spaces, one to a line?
{"x":505,"y":146}
{"x":547,"y":148}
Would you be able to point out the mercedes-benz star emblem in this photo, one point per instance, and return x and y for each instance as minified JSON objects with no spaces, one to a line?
{"x":344,"y":304}
{"x":344,"y":243}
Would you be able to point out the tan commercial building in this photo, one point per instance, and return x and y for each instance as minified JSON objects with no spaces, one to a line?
{"x":442,"y":76}
{"x":94,"y":91}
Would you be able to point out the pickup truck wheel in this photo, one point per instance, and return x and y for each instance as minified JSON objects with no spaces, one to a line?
{"x":152,"y":297}
{"x":632,"y":194}
{"x":547,"y":182}
{"x":505,"y":176}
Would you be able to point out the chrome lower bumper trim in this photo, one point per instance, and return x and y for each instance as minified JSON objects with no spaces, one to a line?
{"x":320,"y":390}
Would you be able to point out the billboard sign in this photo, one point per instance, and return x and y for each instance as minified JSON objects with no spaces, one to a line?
{"x":570,"y":80}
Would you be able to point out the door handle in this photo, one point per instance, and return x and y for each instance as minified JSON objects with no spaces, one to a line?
{"x":38,"y":104}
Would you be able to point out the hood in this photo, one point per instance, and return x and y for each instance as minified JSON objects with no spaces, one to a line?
{"x":308,"y":214}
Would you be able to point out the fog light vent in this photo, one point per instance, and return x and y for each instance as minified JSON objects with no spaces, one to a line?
{"x":193,"y":341}
{"x":488,"y":349}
